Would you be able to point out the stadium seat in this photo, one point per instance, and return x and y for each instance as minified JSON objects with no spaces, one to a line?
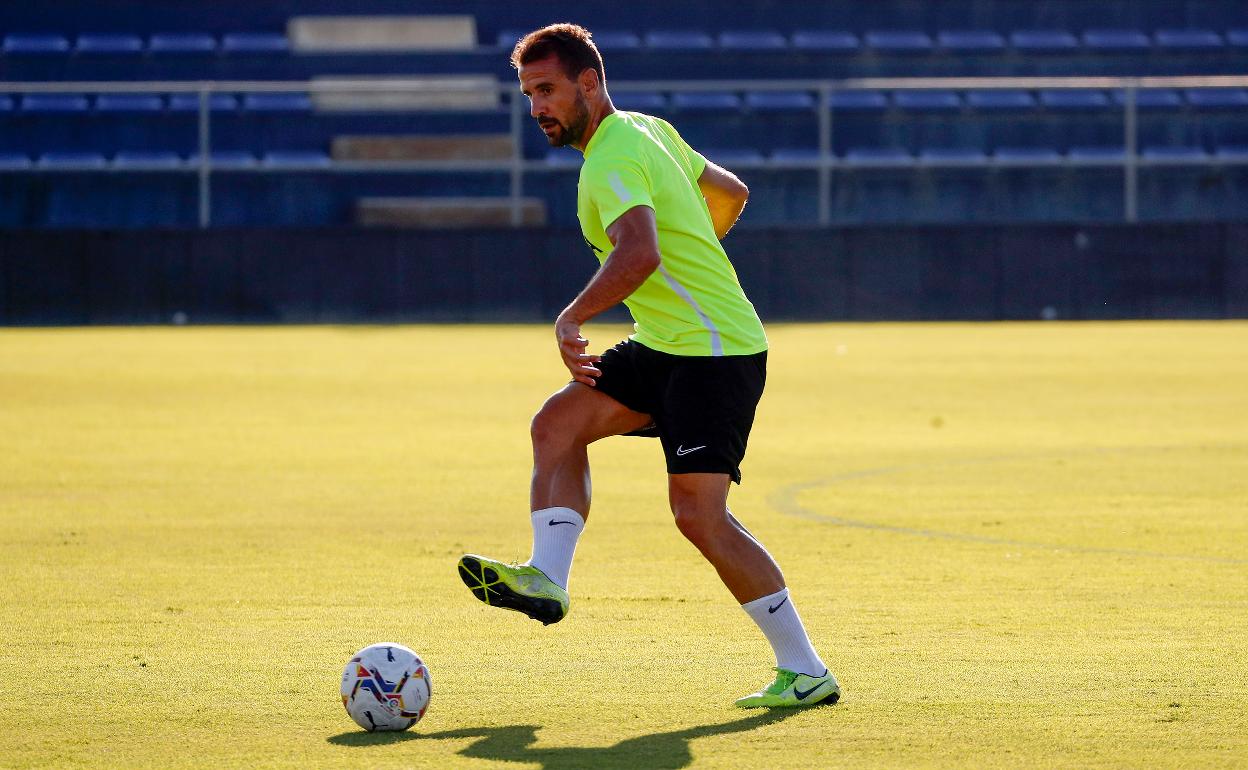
{"x":181,"y":43}
{"x":1116,"y":40}
{"x":226,"y":159}
{"x":616,"y":40}
{"x":1237,"y":38}
{"x":1027,"y":156}
{"x":564,"y":157}
{"x":828,"y":41}
{"x":58,"y":103}
{"x":147,"y":159}
{"x":753,"y":40}
{"x":927,"y":101}
{"x":858,"y":101}
{"x":779,"y":101}
{"x":254,"y":43}
{"x":189,"y":102}
{"x":508,"y":38}
{"x":1188,"y":39}
{"x":640,"y":101}
{"x":71,"y":160}
{"x":706,"y":101}
{"x":1152,"y":99}
{"x":1231,"y":152}
{"x":295,"y":159}
{"x":679,"y":40}
{"x":1000,"y":100}
{"x":14,"y":161}
{"x":795,"y":154}
{"x":37,"y":45}
{"x":1096,"y":154}
{"x":1044,"y":41}
{"x":898,"y":41}
{"x":1073,"y":99}
{"x":970,"y":41}
{"x":128,"y":103}
{"x":1217,"y":98}
{"x":878,"y":157}
{"x":732,"y":156}
{"x":953,"y":156}
{"x":277,"y":102}
{"x":109,"y":44}
{"x":6,"y":103}
{"x":1175,"y":154}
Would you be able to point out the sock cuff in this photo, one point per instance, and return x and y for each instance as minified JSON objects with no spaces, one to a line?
{"x":558,"y":514}
{"x":766,"y":601}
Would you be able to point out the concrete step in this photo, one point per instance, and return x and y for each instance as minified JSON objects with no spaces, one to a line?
{"x":419,"y":147}
{"x":447,"y":213}
{"x":405,"y":93}
{"x":367,"y":34}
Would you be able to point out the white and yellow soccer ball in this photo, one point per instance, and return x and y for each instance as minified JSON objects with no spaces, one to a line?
{"x":386,"y":687}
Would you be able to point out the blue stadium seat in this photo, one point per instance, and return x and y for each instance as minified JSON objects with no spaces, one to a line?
{"x":6,"y":103}
{"x":295,"y":159}
{"x":1237,"y":38}
{"x":109,"y":44}
{"x":795,"y":154}
{"x":780,"y":101}
{"x":970,"y":41}
{"x":1175,"y":154}
{"x":277,"y":102}
{"x":1232,"y":152}
{"x":898,"y":41}
{"x":960,"y":156}
{"x":753,"y":40}
{"x":1027,"y":156}
{"x":226,"y":159}
{"x":1188,"y":39}
{"x":1116,"y":40}
{"x":858,"y":101}
{"x":1000,"y":100}
{"x":616,"y":40}
{"x":58,"y":103}
{"x":672,"y":39}
{"x":14,"y":161}
{"x":927,"y":101}
{"x":508,"y":38}
{"x":878,"y":157}
{"x":564,"y":156}
{"x":189,"y":102}
{"x":254,"y":43}
{"x":75,"y":160}
{"x":1073,"y":99}
{"x":1152,"y":99}
{"x":147,"y":159}
{"x":1096,"y":154}
{"x":37,"y":45}
{"x":129,"y":103}
{"x":1044,"y":41}
{"x":706,"y":101}
{"x":827,"y":41}
{"x":1217,"y":98}
{"x":640,"y":101}
{"x":182,"y":43}
{"x":732,"y":156}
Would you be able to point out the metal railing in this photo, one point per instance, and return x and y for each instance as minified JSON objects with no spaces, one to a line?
{"x":825,"y":163}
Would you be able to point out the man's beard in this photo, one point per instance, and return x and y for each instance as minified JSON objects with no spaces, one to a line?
{"x":571,"y":133}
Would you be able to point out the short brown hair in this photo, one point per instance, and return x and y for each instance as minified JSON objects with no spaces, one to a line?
{"x":571,"y":43}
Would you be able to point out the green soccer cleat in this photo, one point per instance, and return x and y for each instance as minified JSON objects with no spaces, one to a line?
{"x":519,"y":587}
{"x":792,"y":689}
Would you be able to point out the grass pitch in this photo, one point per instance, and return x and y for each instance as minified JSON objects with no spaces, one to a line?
{"x":1016,"y":544}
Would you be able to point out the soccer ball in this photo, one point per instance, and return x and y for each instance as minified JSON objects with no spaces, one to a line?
{"x":386,"y":687}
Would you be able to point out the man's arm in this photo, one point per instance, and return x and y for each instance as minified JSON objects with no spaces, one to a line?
{"x":725,"y":196}
{"x":634,"y":257}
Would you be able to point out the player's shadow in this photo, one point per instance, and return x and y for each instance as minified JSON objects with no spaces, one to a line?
{"x":658,"y":751}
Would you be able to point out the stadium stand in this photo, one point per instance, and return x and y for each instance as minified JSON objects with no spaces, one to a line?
{"x":293,"y":143}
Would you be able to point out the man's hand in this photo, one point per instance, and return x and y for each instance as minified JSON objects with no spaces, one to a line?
{"x":572,"y":347}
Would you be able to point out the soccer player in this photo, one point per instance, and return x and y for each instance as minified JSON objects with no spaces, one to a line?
{"x":653,"y":210}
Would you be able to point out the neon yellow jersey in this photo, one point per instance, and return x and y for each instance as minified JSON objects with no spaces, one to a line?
{"x":693,"y":304}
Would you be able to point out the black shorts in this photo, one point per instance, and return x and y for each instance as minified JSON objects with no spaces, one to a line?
{"x":703,"y":406}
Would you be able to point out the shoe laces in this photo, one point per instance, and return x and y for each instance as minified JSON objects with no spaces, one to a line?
{"x":784,"y":680}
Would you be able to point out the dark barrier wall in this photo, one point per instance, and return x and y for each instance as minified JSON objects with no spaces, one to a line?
{"x":372,"y":276}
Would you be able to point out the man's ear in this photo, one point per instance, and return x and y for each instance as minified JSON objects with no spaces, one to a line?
{"x":588,"y":81}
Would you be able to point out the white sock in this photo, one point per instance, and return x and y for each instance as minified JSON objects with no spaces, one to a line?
{"x":555,"y":532}
{"x":778,"y":619}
